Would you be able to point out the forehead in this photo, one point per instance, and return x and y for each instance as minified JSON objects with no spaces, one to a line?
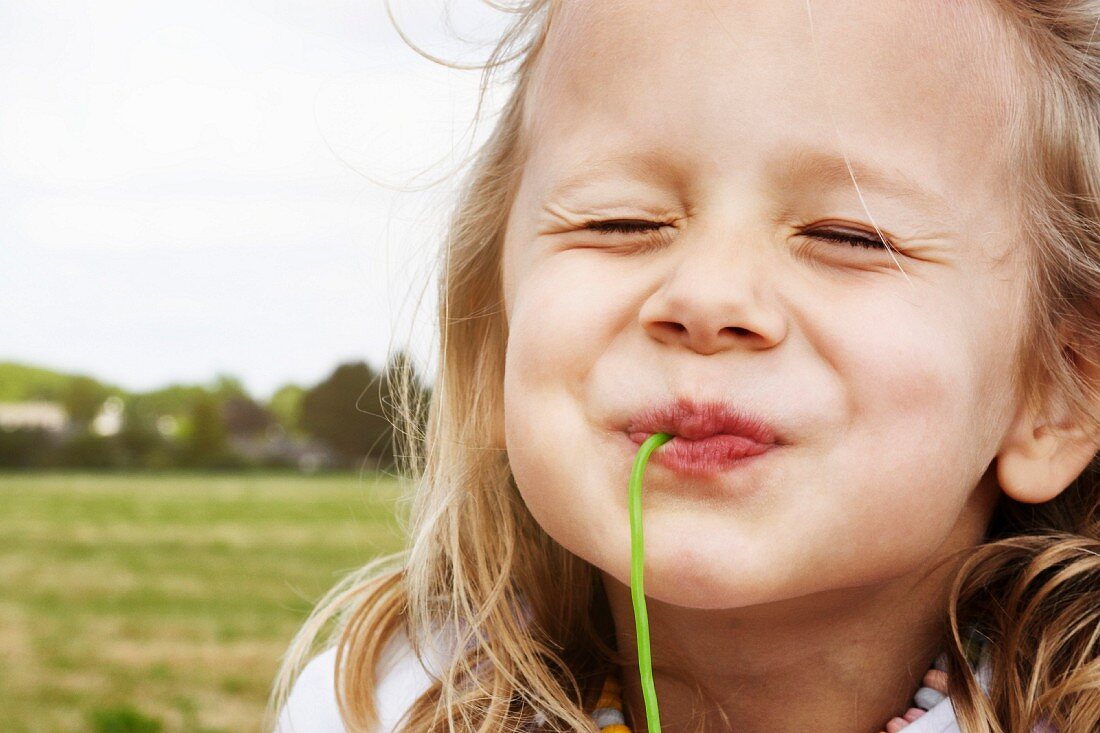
{"x":727,"y":88}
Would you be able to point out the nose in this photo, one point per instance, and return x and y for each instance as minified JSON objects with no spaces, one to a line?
{"x":716,"y":296}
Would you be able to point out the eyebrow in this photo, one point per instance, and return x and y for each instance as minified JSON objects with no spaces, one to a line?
{"x":831,"y":169}
{"x":642,"y":165}
{"x":826,"y":168}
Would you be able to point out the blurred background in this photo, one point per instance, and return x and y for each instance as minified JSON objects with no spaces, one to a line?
{"x":218,"y":231}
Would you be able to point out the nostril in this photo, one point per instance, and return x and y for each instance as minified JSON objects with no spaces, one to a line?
{"x":737,"y":330}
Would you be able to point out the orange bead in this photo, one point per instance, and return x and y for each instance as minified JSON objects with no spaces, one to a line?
{"x":615,"y":729}
{"x":611,"y":696}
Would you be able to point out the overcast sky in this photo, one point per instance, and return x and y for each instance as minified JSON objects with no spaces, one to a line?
{"x":196,"y":188}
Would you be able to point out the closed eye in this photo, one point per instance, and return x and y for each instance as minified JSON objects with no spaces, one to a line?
{"x":653,"y":235}
{"x":635,"y":226}
{"x":623,"y":226}
{"x":851,"y":238}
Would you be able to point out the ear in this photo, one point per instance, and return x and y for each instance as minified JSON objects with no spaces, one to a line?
{"x":1041,"y":455}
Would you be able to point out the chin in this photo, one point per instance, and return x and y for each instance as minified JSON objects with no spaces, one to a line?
{"x":685,"y":593}
{"x":686,"y":586}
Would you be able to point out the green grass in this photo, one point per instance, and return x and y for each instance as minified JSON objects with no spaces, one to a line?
{"x":163,"y":602}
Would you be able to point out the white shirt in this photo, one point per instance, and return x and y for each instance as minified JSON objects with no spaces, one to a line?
{"x":311,"y":707}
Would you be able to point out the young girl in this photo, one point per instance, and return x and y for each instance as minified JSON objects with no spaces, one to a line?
{"x":848,"y":255}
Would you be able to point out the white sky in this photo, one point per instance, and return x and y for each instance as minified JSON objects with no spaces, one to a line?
{"x":193,"y":188}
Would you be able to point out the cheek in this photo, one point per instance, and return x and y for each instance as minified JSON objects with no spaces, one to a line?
{"x":913,"y":389}
{"x":934,"y":372}
{"x":907,"y":383}
{"x":890,"y":478}
{"x":562,"y":316}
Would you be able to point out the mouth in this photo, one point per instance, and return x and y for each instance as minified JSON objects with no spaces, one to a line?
{"x":705,"y":456}
{"x":708,"y":437}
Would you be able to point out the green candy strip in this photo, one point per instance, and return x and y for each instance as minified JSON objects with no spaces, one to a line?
{"x":637,"y":593}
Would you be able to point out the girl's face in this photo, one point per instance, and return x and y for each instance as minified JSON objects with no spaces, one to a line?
{"x":888,"y":381}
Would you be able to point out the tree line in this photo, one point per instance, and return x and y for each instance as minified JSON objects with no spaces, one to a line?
{"x":343,"y":422}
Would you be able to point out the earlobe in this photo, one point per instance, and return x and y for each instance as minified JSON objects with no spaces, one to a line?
{"x":1039,"y":467}
{"x":1040,"y":457}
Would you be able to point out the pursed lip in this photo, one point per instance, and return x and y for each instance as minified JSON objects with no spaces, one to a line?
{"x":709,"y":437}
{"x":696,"y":420}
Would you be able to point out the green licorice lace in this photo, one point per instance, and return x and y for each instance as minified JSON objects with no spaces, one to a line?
{"x":637,"y":593}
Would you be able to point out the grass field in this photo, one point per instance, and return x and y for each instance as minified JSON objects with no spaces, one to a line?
{"x":135,"y":604}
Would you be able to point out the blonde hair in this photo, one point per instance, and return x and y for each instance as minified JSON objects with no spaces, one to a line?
{"x":533,"y":633}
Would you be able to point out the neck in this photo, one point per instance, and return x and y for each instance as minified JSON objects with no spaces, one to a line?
{"x":835,"y":662}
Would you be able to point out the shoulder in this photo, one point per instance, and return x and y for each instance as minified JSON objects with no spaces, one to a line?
{"x":311,"y":706}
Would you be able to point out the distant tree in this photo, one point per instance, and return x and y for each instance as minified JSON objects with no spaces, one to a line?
{"x":243,"y":416}
{"x":88,"y":450}
{"x":141,"y":443}
{"x":22,"y":383}
{"x":205,"y":442}
{"x":82,"y":399}
{"x":227,"y":386}
{"x":175,"y":399}
{"x":286,"y":406}
{"x":27,"y":448}
{"x":345,"y":411}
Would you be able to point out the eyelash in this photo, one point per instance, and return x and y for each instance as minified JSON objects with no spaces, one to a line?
{"x":635,"y":226}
